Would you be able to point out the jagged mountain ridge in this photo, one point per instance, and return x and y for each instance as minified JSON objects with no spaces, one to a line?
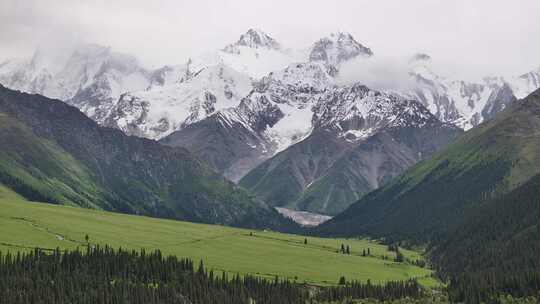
{"x":253,"y":57}
{"x":361,"y":138}
{"x":465,"y":104}
{"x":101,"y":77}
{"x":276,"y":113}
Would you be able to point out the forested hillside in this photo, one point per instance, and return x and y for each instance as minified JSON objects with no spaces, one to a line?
{"x":495,"y":248}
{"x":433,"y":196}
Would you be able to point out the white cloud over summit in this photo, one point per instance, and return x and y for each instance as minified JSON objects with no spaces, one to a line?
{"x":475,"y":37}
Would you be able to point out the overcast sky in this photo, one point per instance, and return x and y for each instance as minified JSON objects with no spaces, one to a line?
{"x":475,"y":37}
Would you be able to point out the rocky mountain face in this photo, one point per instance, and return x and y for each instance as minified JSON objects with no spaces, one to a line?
{"x":360,"y":140}
{"x":226,"y":140}
{"x":53,"y":153}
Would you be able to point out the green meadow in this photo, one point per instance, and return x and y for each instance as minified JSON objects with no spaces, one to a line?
{"x":25,"y":225}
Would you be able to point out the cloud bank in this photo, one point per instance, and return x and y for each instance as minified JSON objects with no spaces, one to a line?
{"x":474,"y":37}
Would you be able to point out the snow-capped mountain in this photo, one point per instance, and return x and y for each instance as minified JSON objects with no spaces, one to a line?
{"x":285,"y":108}
{"x":255,"y":39}
{"x":255,"y":54}
{"x":465,"y":104}
{"x":293,"y":91}
{"x":274,"y":115}
{"x":179,"y":96}
{"x":356,"y":112}
{"x":171,"y":104}
{"x":337,"y":48}
{"x":91,"y":78}
{"x":182,"y":95}
{"x":359,"y":139}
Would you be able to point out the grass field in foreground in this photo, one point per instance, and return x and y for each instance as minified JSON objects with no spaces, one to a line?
{"x":25,"y":225}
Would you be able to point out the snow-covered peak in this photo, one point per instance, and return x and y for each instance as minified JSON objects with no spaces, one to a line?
{"x":462,"y":103}
{"x":280,"y":106}
{"x":337,"y":48}
{"x":357,"y":109}
{"x":255,"y":39}
{"x":255,"y":54}
{"x":171,"y":105}
{"x":420,"y":57}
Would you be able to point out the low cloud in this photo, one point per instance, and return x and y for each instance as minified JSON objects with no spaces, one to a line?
{"x":381,"y":73}
{"x":474,"y":37}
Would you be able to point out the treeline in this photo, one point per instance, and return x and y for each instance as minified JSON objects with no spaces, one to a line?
{"x":496,"y":250}
{"x":102,"y":275}
{"x":492,"y":286}
{"x":358,"y":290}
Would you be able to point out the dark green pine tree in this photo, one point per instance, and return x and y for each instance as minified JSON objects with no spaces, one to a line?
{"x":399,"y":256}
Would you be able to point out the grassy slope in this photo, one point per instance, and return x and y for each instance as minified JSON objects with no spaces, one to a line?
{"x":27,"y":225}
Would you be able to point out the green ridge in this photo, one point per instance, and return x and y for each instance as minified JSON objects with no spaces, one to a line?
{"x":433,"y":196}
